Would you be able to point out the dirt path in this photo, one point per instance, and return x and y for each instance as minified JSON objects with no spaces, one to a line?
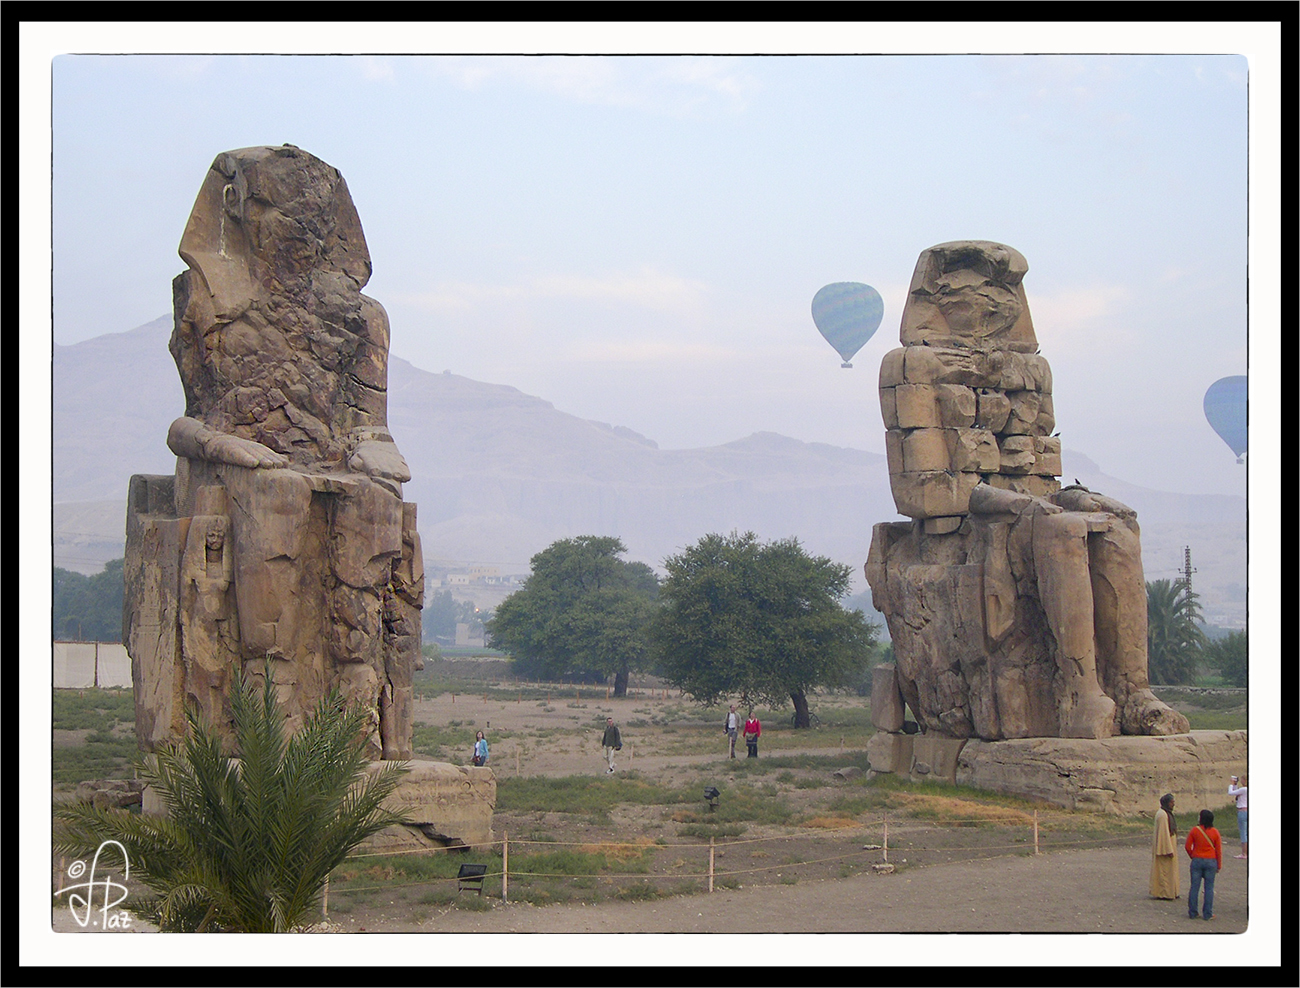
{"x":1092,"y":891}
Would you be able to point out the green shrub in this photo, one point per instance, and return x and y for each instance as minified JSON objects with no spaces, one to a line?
{"x":245,"y":847}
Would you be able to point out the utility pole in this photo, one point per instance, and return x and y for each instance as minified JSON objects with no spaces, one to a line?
{"x":1187,"y":568}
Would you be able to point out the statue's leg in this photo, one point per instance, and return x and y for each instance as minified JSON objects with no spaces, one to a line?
{"x":1120,"y":605}
{"x":365,"y":539}
{"x":1065,"y":590}
{"x":269,"y":520}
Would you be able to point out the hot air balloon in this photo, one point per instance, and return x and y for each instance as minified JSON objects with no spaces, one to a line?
{"x":847,"y":314}
{"x":1225,"y":410}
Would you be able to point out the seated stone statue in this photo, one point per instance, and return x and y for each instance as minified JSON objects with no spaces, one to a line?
{"x":1016,"y":608}
{"x":284,"y":367}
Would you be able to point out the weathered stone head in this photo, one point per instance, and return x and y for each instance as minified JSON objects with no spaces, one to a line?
{"x":968,"y":294}
{"x":274,"y":341}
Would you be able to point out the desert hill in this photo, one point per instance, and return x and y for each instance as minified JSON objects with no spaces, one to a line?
{"x":499,"y":474}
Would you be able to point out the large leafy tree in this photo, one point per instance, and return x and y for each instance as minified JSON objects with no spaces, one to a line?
{"x":1175,"y":640}
{"x":582,"y":612}
{"x":762,"y":621}
{"x":89,"y":608}
{"x":246,"y":844}
{"x":1231,"y":656}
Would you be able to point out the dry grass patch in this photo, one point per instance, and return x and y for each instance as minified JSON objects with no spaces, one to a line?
{"x":621,"y":853}
{"x":830,"y":822}
{"x":951,"y":809}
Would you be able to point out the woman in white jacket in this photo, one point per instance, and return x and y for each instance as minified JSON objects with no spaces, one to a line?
{"x":1237,"y":789}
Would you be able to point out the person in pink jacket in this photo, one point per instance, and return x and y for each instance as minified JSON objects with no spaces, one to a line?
{"x":752,"y":730}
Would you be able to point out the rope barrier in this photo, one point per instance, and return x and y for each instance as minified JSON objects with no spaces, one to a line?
{"x":721,"y":845}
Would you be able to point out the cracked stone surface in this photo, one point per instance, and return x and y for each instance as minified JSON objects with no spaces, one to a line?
{"x":282,"y":543}
{"x":1017,"y":608}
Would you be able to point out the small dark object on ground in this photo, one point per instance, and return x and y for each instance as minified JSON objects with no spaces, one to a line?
{"x":470,"y":876}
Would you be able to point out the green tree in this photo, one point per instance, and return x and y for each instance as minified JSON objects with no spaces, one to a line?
{"x":245,"y":845}
{"x":582,"y":612}
{"x":442,"y":612}
{"x":1174,"y":637}
{"x":88,"y":608}
{"x":1230,"y":655}
{"x":759,"y":621}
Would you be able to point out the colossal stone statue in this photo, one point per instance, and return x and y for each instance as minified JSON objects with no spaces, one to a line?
{"x":1016,"y":608}
{"x":282,"y":537}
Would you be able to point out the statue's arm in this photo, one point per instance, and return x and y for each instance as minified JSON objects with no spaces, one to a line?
{"x":192,"y":439}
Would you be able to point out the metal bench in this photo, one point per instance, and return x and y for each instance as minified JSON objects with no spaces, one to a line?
{"x":471,"y":877}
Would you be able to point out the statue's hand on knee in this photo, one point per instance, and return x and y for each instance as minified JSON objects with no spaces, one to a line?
{"x":379,"y":457}
{"x":192,"y":439}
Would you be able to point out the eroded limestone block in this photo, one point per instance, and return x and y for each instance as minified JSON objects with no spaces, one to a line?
{"x":444,"y":804}
{"x":956,"y":405}
{"x":891,"y":369}
{"x":993,"y":408}
{"x":935,"y":757}
{"x":1123,"y":775}
{"x":973,"y":450}
{"x":917,"y":406}
{"x":886,"y":701}
{"x":926,"y":494}
{"x":926,"y":450}
{"x":889,"y":752}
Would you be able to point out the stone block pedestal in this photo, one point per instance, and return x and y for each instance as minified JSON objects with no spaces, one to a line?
{"x":1123,"y":775}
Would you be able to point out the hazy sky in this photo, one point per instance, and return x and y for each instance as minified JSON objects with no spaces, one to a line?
{"x":638,"y":240}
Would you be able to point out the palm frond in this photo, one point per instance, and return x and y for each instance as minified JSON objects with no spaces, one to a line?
{"x":246,"y":844}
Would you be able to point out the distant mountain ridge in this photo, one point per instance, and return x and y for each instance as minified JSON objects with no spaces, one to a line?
{"x":499,"y":474}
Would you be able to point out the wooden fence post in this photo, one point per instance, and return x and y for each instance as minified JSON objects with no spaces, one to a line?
{"x":1036,"y":851}
{"x":505,"y":866}
{"x":885,"y":845}
{"x":710,"y":864}
{"x":325,"y":899}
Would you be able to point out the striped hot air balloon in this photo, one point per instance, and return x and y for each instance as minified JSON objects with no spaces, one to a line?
{"x":847,"y":313}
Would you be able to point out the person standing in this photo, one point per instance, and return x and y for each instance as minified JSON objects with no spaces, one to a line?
{"x":752,"y":730}
{"x":612,"y":741}
{"x":1238,"y":792}
{"x":1205,"y":848}
{"x":732,"y":727}
{"x":1164,"y":848}
{"x":480,"y":749}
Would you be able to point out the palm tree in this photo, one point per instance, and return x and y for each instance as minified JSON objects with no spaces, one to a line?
{"x":246,"y":844}
{"x":1174,"y":637}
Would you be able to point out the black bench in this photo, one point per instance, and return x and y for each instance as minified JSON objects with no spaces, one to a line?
{"x":471,"y":877}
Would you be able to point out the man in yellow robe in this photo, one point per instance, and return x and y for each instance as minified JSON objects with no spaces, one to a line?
{"x":1164,"y":845}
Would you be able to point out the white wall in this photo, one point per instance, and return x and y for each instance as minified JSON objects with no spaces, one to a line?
{"x":84,"y":665}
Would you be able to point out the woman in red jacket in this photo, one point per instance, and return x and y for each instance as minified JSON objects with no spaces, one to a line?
{"x":1205,"y":848}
